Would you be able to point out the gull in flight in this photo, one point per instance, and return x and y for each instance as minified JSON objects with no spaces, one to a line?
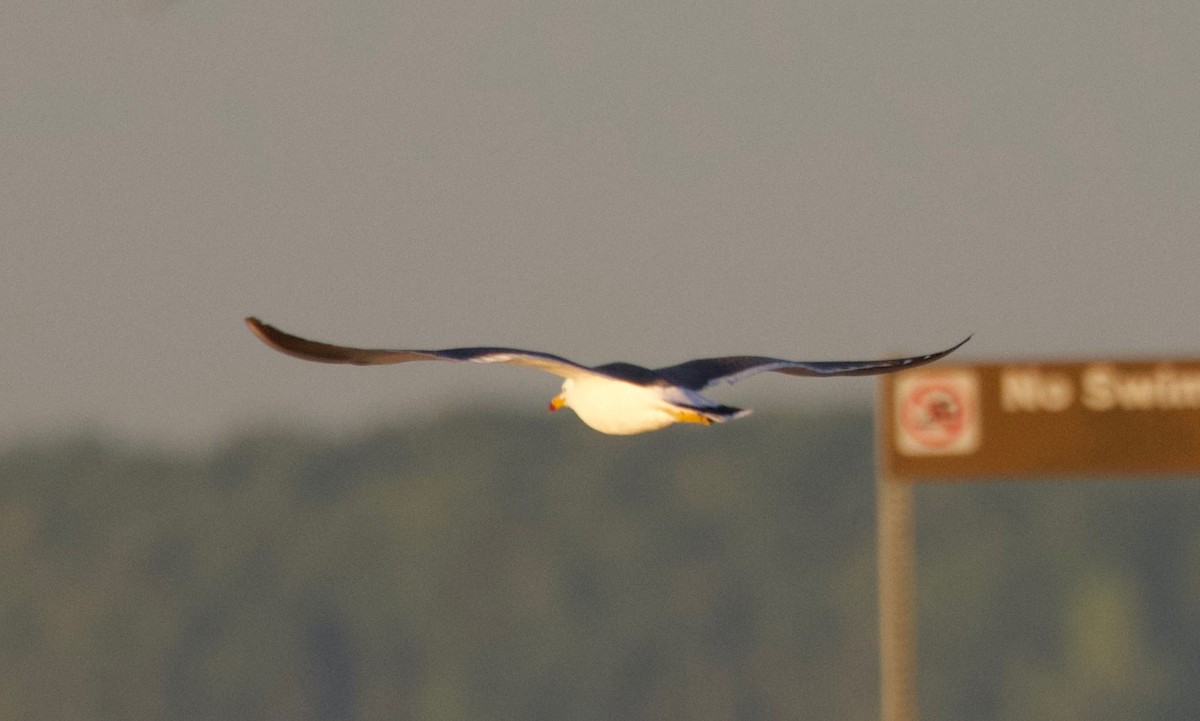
{"x":614,"y":398}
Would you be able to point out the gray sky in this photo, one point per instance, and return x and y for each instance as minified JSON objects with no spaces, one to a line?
{"x":608,"y":181}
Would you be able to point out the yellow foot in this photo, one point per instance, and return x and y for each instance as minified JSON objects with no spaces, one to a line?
{"x":686,"y":415}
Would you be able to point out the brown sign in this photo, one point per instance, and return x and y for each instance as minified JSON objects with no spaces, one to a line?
{"x":1041,"y":419}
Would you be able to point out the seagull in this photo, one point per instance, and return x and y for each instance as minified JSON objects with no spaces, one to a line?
{"x":614,"y":398}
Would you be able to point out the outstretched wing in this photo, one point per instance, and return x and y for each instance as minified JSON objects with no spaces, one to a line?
{"x":328,"y":353}
{"x":701,"y":373}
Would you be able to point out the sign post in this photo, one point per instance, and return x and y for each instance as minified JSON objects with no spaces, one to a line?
{"x":1003,"y":421}
{"x":896,"y":552}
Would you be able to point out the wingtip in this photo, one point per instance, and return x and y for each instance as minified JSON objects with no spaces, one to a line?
{"x":954,"y":347}
{"x":268,"y":334}
{"x":257,"y":327}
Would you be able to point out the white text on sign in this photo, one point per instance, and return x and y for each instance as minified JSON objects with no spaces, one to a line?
{"x":1099,"y":387}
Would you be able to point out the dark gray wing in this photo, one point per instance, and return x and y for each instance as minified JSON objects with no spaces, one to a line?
{"x":328,"y":353}
{"x":697,"y":374}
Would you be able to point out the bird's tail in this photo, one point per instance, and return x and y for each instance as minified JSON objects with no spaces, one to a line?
{"x":708,"y":414}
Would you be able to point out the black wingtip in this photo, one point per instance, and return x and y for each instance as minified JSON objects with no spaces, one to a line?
{"x":256,"y":326}
{"x":948,"y":351}
{"x":266,"y":333}
{"x":294,"y":345}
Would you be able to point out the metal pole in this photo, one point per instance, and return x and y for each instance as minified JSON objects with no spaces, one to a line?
{"x":896,"y":554}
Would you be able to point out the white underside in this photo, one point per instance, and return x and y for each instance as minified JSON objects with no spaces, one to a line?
{"x":620,"y":408}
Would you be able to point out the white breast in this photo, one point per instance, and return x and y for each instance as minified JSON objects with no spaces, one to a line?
{"x":616,"y":407}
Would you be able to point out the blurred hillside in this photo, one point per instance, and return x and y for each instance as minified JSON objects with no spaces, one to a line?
{"x":490,"y":566}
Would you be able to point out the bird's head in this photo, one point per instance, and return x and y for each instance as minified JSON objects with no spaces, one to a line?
{"x":560,"y":400}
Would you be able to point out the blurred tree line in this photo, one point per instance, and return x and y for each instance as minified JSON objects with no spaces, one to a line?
{"x":491,"y":566}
